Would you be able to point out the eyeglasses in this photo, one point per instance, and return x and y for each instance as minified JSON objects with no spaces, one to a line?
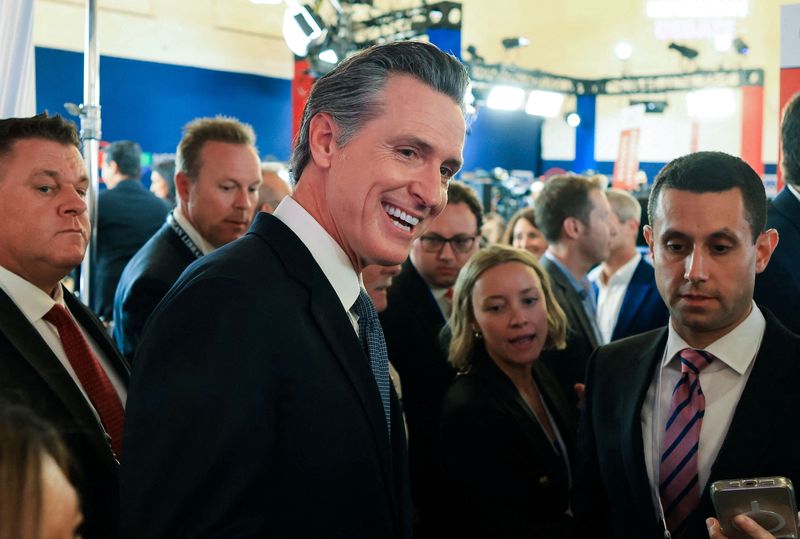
{"x":433,"y":243}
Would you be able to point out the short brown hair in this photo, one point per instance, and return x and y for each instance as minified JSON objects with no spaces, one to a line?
{"x":462,"y":343}
{"x":458,"y":193}
{"x":562,"y":197}
{"x":42,"y":126}
{"x":201,"y":130}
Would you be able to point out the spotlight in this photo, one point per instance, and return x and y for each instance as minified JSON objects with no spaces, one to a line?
{"x":300,"y":27}
{"x":740,"y":46}
{"x":505,"y":98}
{"x":329,"y":56}
{"x":474,"y":56}
{"x":572,"y":119}
{"x":623,"y":51}
{"x":547,"y":104}
{"x":651,"y":107}
{"x":687,"y":52}
{"x":515,"y":42}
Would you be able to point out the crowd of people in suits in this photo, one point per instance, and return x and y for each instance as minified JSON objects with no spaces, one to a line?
{"x":351,"y":358}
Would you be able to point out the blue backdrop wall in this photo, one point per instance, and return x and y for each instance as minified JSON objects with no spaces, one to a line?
{"x":150,"y":102}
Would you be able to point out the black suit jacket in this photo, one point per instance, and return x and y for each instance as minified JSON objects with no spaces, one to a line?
{"x":126,"y":218}
{"x":612,"y":491}
{"x":31,"y":374}
{"x":569,"y":365}
{"x":412,"y":324}
{"x":502,"y":478}
{"x":642,"y":307}
{"x":253,"y":411}
{"x":778,"y":286}
{"x":146,"y":279}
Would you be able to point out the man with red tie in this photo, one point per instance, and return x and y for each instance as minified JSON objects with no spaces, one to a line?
{"x":668,"y":412}
{"x":55,"y":356}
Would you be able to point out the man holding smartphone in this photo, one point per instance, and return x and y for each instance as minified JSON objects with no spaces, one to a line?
{"x":668,"y":412}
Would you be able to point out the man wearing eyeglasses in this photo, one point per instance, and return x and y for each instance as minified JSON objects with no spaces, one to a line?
{"x":419,"y":305}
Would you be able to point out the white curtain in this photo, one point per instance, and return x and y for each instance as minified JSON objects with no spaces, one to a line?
{"x":17,"y":72}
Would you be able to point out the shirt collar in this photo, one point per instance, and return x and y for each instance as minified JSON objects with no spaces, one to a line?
{"x":621,"y":276}
{"x":191,"y":231}
{"x":328,"y":254}
{"x":31,"y":300}
{"x":576,"y":284}
{"x":737,"y":349}
{"x":794,"y":191}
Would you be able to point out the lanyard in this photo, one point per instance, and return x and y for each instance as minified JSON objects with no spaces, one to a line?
{"x":184,"y":237}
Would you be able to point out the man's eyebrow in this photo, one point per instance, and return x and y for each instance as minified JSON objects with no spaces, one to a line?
{"x":426,"y":148}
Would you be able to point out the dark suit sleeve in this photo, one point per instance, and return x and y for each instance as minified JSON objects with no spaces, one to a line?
{"x":201,"y":416}
{"x":136,"y":305}
{"x":590,"y":503}
{"x":481,"y":474}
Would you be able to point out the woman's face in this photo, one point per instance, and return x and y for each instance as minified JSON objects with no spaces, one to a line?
{"x":511,"y":313}
{"x":526,"y":236}
{"x":158,"y":186}
{"x":61,"y":515}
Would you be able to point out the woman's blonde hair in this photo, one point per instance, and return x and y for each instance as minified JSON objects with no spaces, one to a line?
{"x":462,"y":342}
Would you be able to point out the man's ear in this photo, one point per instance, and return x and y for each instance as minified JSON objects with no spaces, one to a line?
{"x":322,"y":131}
{"x":649,"y":238}
{"x":572,"y":227}
{"x":765,"y":246}
{"x":183,"y":186}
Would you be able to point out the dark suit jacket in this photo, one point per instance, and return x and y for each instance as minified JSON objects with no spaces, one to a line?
{"x":32,"y":375}
{"x":253,"y":411}
{"x":502,"y":478}
{"x":642,"y":307}
{"x":126,"y":218}
{"x":612,"y":491}
{"x":569,"y":365}
{"x":146,"y":279}
{"x":778,"y":286}
{"x":411,"y":324}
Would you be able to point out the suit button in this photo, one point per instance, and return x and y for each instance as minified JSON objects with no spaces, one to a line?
{"x":544,"y":481}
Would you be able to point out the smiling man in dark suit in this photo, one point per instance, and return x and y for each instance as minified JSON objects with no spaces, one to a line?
{"x":778,"y":286}
{"x":303,"y":437}
{"x":668,"y":412}
{"x":627,"y":301}
{"x":55,"y":355}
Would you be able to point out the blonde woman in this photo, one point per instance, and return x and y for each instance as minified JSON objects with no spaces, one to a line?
{"x":507,"y":431}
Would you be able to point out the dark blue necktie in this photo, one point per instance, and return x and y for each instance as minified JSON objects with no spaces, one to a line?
{"x":370,"y":334}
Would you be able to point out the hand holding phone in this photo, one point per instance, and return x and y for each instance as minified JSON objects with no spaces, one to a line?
{"x":768,"y":502}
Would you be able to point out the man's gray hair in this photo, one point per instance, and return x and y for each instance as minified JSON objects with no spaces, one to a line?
{"x":350,"y":92}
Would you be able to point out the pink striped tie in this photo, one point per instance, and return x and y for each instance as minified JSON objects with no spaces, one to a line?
{"x":680,"y":492}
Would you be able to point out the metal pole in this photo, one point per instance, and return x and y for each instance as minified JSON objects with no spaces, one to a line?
{"x":90,"y":135}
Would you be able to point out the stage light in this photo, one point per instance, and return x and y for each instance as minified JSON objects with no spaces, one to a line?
{"x":547,"y":104}
{"x":722,"y":43}
{"x":623,"y":51}
{"x":573,"y":119}
{"x":474,"y":56}
{"x":505,"y":98}
{"x":650,"y":106}
{"x":740,"y":46}
{"x":300,"y":27}
{"x":687,"y":52}
{"x":712,"y":103}
{"x":329,"y":56}
{"x":515,"y":42}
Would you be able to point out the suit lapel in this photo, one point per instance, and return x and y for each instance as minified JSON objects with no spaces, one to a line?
{"x":30,"y":345}
{"x":574,"y":301}
{"x":788,"y":206}
{"x":634,"y":296}
{"x":632,"y":394}
{"x":335,"y":327}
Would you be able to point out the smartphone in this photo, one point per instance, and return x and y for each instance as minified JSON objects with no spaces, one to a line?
{"x":769,"y":501}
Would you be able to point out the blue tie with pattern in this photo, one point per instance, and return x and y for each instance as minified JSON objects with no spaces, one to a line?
{"x":370,"y":334}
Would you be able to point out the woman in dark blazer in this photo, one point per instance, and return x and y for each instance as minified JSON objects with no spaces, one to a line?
{"x":507,"y":431}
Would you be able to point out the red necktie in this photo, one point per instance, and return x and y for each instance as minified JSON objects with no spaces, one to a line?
{"x":90,"y":373}
{"x":680,"y":491}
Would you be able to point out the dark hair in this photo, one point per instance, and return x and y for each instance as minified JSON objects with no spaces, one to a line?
{"x":529,"y":214}
{"x":166,"y":169}
{"x":201,"y":130}
{"x":350,"y":93}
{"x":790,"y":141}
{"x":43,"y":126}
{"x":25,"y":440}
{"x":713,"y":172}
{"x":562,"y":197}
{"x":460,"y":193}
{"x":127,"y":155}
